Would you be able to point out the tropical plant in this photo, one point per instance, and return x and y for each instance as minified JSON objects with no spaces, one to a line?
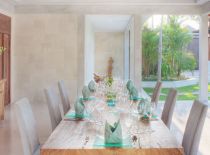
{"x":149,"y":51}
{"x":175,"y":42}
{"x":175,"y":56}
{"x":188,"y":62}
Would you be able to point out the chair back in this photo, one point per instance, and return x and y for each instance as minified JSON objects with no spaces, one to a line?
{"x":27,"y":126}
{"x":64,"y":97}
{"x":53,"y":107}
{"x":194,"y":128}
{"x":169,"y":107}
{"x":156,"y":92}
{"x":2,"y":98}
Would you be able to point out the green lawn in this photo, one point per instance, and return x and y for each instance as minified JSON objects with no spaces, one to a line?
{"x":185,"y":93}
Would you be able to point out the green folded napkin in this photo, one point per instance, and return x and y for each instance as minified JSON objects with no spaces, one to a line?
{"x":85,"y":92}
{"x":134,"y":94}
{"x":92,"y":86}
{"x":79,"y":108}
{"x":142,"y":105}
{"x":91,"y":98}
{"x":73,"y":115}
{"x":126,"y":143}
{"x":113,"y":134}
{"x":129,"y":85}
{"x":136,"y":98}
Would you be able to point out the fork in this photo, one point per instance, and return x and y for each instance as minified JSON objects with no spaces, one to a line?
{"x":87,"y":138}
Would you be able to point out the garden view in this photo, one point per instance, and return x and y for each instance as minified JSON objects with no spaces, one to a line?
{"x":166,"y":54}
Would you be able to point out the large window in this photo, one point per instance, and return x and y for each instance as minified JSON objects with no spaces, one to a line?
{"x":176,"y":38}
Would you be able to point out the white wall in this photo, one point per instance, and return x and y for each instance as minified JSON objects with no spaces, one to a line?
{"x":127,"y":53}
{"x":109,"y":44}
{"x":135,"y":55}
{"x":44,"y":51}
{"x":46,"y":48}
{"x":203,"y":58}
{"x":89,"y":50}
{"x":6,"y":7}
{"x":132,"y":52}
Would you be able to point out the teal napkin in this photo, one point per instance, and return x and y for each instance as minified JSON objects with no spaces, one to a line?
{"x":73,"y":115}
{"x":91,"y":86}
{"x":129,"y":85}
{"x":142,"y":105}
{"x":91,"y":98}
{"x":113,"y":134}
{"x":134,"y":94}
{"x":86,"y":92}
{"x":79,"y":108}
{"x":99,"y":142}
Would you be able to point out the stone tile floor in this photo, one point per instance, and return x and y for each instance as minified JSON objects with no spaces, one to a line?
{"x":10,"y":143}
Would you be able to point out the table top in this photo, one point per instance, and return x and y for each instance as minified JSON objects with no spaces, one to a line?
{"x":79,"y":137}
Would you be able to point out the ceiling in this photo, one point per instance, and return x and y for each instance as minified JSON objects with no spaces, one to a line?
{"x":109,"y":23}
{"x":107,"y":6}
{"x":107,"y":2}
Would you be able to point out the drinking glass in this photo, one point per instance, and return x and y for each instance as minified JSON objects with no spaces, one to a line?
{"x":153,"y":108}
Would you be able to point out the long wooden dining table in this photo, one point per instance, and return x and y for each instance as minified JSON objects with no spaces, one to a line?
{"x":79,"y":137}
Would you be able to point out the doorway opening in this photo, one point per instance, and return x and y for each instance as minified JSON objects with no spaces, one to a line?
{"x":107,"y":36}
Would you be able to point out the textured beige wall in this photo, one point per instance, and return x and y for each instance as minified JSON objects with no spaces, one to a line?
{"x":109,"y":44}
{"x":44,"y":51}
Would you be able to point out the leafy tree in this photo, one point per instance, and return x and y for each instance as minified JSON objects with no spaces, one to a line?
{"x":149,"y":51}
{"x":175,"y":57}
{"x":187,"y":63}
{"x":175,"y":42}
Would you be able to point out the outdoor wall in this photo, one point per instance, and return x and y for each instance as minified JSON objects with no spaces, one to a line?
{"x":109,"y":44}
{"x":44,"y":51}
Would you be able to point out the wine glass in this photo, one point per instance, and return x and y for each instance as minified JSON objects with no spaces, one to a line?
{"x":153,"y":108}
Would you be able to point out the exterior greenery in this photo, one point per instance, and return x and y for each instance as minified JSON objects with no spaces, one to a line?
{"x":175,"y":57}
{"x":150,"y":51}
{"x":184,"y":93}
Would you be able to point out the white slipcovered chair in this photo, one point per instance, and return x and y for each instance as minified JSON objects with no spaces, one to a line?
{"x":27,"y":127}
{"x":64,"y":97}
{"x":193,"y":130}
{"x":156,"y":93}
{"x":53,"y":107}
{"x":169,"y":107}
